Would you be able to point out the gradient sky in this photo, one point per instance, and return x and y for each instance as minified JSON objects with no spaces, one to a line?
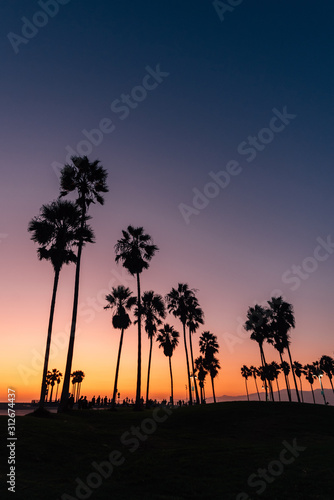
{"x":224,"y":82}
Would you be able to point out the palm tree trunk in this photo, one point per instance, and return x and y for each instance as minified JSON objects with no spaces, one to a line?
{"x":50,"y":400}
{"x":138,"y":389}
{"x":257,"y":389}
{"x":171,"y":380}
{"x":312,"y":393}
{"x":201,"y":388}
{"x":246,"y":389}
{"x":213,"y":389}
{"x":117,"y":369}
{"x":57,"y":391}
{"x":148,"y":371}
{"x":193,"y":367}
{"x":185,"y":347}
{"x":263,"y":361}
{"x":330,"y":379}
{"x":286,"y":379}
{"x":279,"y":394}
{"x":63,"y":406}
{"x":48,"y":340}
{"x":293,"y":373}
{"x":301,"y":388}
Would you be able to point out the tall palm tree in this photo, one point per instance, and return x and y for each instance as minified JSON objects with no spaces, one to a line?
{"x":257,"y":324}
{"x":309,"y":375}
{"x":327,"y":366}
{"x":58,"y":382}
{"x":120,"y":301}
{"x":153,"y":311}
{"x":245,"y":373}
{"x":299,"y":371}
{"x":255,"y":372}
{"x":88,"y":179}
{"x":285,"y":367}
{"x":178,"y":303}
{"x":195,"y":318}
{"x":282,"y":320}
{"x":200,"y":369}
{"x":135,"y":250}
{"x":208,"y":346}
{"x":169,"y":339}
{"x":276,"y":370}
{"x":55,"y":230}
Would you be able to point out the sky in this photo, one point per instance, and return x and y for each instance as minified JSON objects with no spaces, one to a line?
{"x":214,"y":121}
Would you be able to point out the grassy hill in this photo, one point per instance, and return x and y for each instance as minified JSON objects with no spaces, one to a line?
{"x":206,"y":452}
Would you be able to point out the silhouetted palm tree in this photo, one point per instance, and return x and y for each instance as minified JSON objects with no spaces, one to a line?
{"x":282,"y":320}
{"x":309,"y":375}
{"x":120,"y":301}
{"x":327,"y":366}
{"x":246,"y":372}
{"x":201,"y":371}
{"x":276,"y":370}
{"x":55,"y":230}
{"x":77,"y":378}
{"x":58,"y":382}
{"x":178,"y":303}
{"x":135,"y":250}
{"x":195,"y":318}
{"x":318,"y":373}
{"x":255,"y":372}
{"x":208,"y":346}
{"x":88,"y":179}
{"x":168,"y":339}
{"x":286,"y":370}
{"x":153,"y":311}
{"x":53,"y":376}
{"x":299,"y":371}
{"x":257,"y":324}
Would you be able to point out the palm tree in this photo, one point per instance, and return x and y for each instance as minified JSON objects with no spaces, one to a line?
{"x":169,"y":339}
{"x":88,"y":179}
{"x":246,"y":372}
{"x":178,"y":303}
{"x":135,"y":250}
{"x":120,"y":301}
{"x":327,"y":366}
{"x":55,"y":230}
{"x":200,"y":369}
{"x":309,"y":375}
{"x":282,"y":320}
{"x":195,"y":318}
{"x":53,"y":377}
{"x":276,"y":370}
{"x":299,"y":371}
{"x":285,"y":367}
{"x":212,"y":365}
{"x":58,"y":382}
{"x":257,"y":324}
{"x":318,"y":373}
{"x":255,"y":372}
{"x":208,"y":346}
{"x":78,"y":377}
{"x":153,"y":310}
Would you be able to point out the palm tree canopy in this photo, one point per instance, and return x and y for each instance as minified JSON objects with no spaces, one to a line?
{"x":120,"y":300}
{"x":327,"y":365}
{"x":57,"y":229}
{"x":212,"y":365}
{"x":200,"y":369}
{"x":88,"y":178}
{"x":195,"y":316}
{"x":153,"y":310}
{"x":135,"y":250}
{"x":299,"y":370}
{"x":257,"y":323}
{"x":180,"y":300}
{"x":168,"y":339}
{"x":208,"y":345}
{"x":281,"y":321}
{"x":285,"y":367}
{"x":246,"y":372}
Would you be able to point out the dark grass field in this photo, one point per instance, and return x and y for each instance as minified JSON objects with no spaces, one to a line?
{"x":206,"y":452}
